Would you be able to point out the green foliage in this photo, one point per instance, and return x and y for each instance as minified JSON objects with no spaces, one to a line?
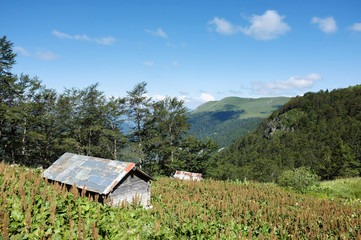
{"x":349,"y":188}
{"x":7,"y":56}
{"x":299,"y":179}
{"x":91,"y":124}
{"x":138,"y":110}
{"x":318,"y":130}
{"x":166,"y":129}
{"x":225,"y":130}
{"x":167,"y":145}
{"x":195,"y":153}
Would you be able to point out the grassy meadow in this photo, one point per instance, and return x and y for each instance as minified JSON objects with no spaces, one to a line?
{"x":345,"y":188}
{"x":31,"y":208}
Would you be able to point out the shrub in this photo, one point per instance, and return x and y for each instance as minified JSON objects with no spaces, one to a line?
{"x":299,"y":179}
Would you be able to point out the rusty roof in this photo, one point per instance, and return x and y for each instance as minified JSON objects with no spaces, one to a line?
{"x":98,"y":175}
{"x":188,"y":175}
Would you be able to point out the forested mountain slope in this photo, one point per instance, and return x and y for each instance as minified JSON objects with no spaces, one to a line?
{"x":227,"y":120}
{"x":319,"y":130}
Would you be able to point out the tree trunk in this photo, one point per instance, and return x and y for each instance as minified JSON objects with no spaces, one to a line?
{"x":23,"y":148}
{"x":115,"y":157}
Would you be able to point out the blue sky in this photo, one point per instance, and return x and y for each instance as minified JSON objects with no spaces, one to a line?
{"x":194,"y":50}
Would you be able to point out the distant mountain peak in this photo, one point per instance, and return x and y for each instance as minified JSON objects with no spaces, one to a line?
{"x":228,"y":119}
{"x":255,"y":107}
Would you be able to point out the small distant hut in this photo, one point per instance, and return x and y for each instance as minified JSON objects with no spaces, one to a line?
{"x":182,"y":175}
{"x":118,"y":181}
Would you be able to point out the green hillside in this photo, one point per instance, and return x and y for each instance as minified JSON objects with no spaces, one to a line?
{"x":319,"y":130}
{"x":227,"y":120}
{"x":249,"y":107}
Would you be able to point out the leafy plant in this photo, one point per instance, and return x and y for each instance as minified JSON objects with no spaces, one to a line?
{"x":299,"y":179}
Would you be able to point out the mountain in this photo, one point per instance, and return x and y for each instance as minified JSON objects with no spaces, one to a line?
{"x":249,"y":107}
{"x":225,"y":121}
{"x":321,"y":131}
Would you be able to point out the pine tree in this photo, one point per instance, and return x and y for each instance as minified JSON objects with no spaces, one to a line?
{"x":170,"y":123}
{"x":138,"y":109}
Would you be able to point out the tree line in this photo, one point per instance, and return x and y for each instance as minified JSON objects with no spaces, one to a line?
{"x":224,"y":127}
{"x":38,"y":124}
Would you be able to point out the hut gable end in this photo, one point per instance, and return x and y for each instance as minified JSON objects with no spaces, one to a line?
{"x":132,"y":186}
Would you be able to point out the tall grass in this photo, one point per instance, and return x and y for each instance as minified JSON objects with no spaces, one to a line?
{"x":345,"y":188}
{"x":226,"y":210}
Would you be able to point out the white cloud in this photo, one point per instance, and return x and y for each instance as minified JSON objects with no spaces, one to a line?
{"x":232,"y":91}
{"x":194,"y":102}
{"x":356,"y":27}
{"x":81,"y":37}
{"x":171,"y":65}
{"x":281,"y":86}
{"x":21,"y":50}
{"x":158,"y":97}
{"x":149,"y":63}
{"x":104,"y":41}
{"x":224,"y":26}
{"x":189,"y":101}
{"x":205,"y":97}
{"x":327,"y":25}
{"x":268,"y":26}
{"x":61,"y":34}
{"x":158,"y":33}
{"x":183,"y":92}
{"x":44,"y":55}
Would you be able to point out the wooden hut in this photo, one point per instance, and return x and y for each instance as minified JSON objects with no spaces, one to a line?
{"x":182,"y":175}
{"x":118,"y":181}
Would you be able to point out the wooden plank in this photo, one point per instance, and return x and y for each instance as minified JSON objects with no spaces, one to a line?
{"x":132,"y":185}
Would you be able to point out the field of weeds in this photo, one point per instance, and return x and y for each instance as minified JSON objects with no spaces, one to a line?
{"x":31,"y":208}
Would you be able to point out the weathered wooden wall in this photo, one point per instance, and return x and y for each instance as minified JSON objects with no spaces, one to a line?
{"x":133,"y":183}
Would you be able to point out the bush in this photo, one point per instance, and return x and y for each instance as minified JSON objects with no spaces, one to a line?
{"x":299,"y":179}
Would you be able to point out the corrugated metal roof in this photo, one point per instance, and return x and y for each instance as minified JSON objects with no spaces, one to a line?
{"x":96,"y":174}
{"x":188,"y":175}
